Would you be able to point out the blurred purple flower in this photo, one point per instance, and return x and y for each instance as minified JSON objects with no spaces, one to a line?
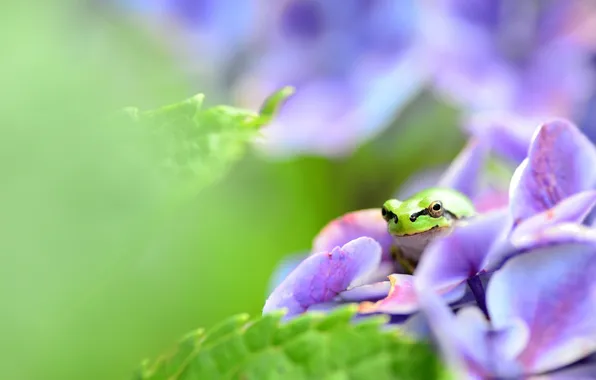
{"x":354,"y":64}
{"x":530,"y":58}
{"x":206,"y":35}
{"x":541,"y":307}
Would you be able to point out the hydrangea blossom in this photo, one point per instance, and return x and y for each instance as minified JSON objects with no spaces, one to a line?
{"x":354,"y":64}
{"x":340,"y":246}
{"x":547,"y":205}
{"x":541,"y":307}
{"x":528,"y":57}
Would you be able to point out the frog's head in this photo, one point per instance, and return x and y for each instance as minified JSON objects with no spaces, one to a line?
{"x":415,"y":216}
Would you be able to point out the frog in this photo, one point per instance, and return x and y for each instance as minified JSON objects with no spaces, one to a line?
{"x":423,"y":217}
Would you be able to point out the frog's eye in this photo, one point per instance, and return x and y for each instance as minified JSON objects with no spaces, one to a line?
{"x":388,"y":215}
{"x":435,"y":209}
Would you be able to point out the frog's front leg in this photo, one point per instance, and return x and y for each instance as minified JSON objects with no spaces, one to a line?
{"x":397,"y":255}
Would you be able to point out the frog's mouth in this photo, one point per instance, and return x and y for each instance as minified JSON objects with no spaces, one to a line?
{"x":431,"y":230}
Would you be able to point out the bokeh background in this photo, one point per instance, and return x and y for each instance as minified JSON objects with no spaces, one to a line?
{"x":94,"y":279}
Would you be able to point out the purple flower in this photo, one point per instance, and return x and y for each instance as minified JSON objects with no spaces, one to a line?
{"x":353,"y":62}
{"x":206,"y":35}
{"x":526,"y":57}
{"x":323,"y":276}
{"x":351,"y":259}
{"x":560,"y":164}
{"x":552,"y":191}
{"x":541,"y":307}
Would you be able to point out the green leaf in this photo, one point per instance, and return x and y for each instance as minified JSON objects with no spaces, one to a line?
{"x":193,"y":146}
{"x":311,"y":346}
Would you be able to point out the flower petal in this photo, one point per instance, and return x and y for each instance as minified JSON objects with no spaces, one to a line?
{"x":506,"y":134}
{"x":353,"y":225}
{"x":553,"y":291}
{"x":284,"y":268}
{"x":561,"y":233}
{"x":375,"y":291}
{"x":449,"y":335}
{"x":573,"y":209}
{"x":490,"y":200}
{"x":463,"y":173}
{"x":583,"y":370}
{"x":451,"y":260}
{"x":321,"y":276}
{"x":560,"y":163}
{"x":402,"y":297}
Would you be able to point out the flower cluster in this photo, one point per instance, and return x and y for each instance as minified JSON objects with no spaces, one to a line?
{"x":534,"y":256}
{"x":357,"y":63}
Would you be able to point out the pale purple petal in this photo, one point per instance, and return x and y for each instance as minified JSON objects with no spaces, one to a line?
{"x":583,"y":370}
{"x":380,"y":274}
{"x":452,"y":260}
{"x":402,"y":298}
{"x":561,"y":162}
{"x":447,"y":332}
{"x":419,"y":181}
{"x":561,"y":233}
{"x":353,"y":225}
{"x":464,"y":171}
{"x":284,"y":268}
{"x":374,"y":291}
{"x":491,"y":200}
{"x":505,"y":134}
{"x":322,"y":276}
{"x":553,"y":291}
{"x":573,"y":209}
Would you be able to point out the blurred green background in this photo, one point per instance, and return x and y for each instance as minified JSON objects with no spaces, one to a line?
{"x":92,"y":280}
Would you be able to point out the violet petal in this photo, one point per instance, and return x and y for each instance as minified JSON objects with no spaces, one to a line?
{"x":402,"y":298}
{"x":572,"y":209}
{"x":451,"y":260}
{"x":353,"y":225}
{"x":322,"y":276}
{"x":463,"y":173}
{"x":560,"y":163}
{"x":374,"y":291}
{"x":553,"y":291}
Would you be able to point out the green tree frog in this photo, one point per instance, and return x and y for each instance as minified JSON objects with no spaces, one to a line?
{"x":426,"y":215}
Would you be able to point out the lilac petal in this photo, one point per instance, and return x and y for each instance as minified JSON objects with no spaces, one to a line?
{"x":561,"y":233}
{"x":553,"y":291}
{"x":375,"y":291}
{"x":402,"y":298}
{"x":284,"y":268}
{"x":469,"y":345}
{"x":416,"y":326}
{"x":447,"y":334}
{"x":573,"y":209}
{"x":560,"y":163}
{"x":583,"y":370}
{"x":353,"y":225}
{"x":451,"y":260}
{"x":378,"y":275}
{"x":322,"y":276}
{"x":419,"y":181}
{"x":490,"y":200}
{"x":463,"y":173}
{"x":505,"y":134}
